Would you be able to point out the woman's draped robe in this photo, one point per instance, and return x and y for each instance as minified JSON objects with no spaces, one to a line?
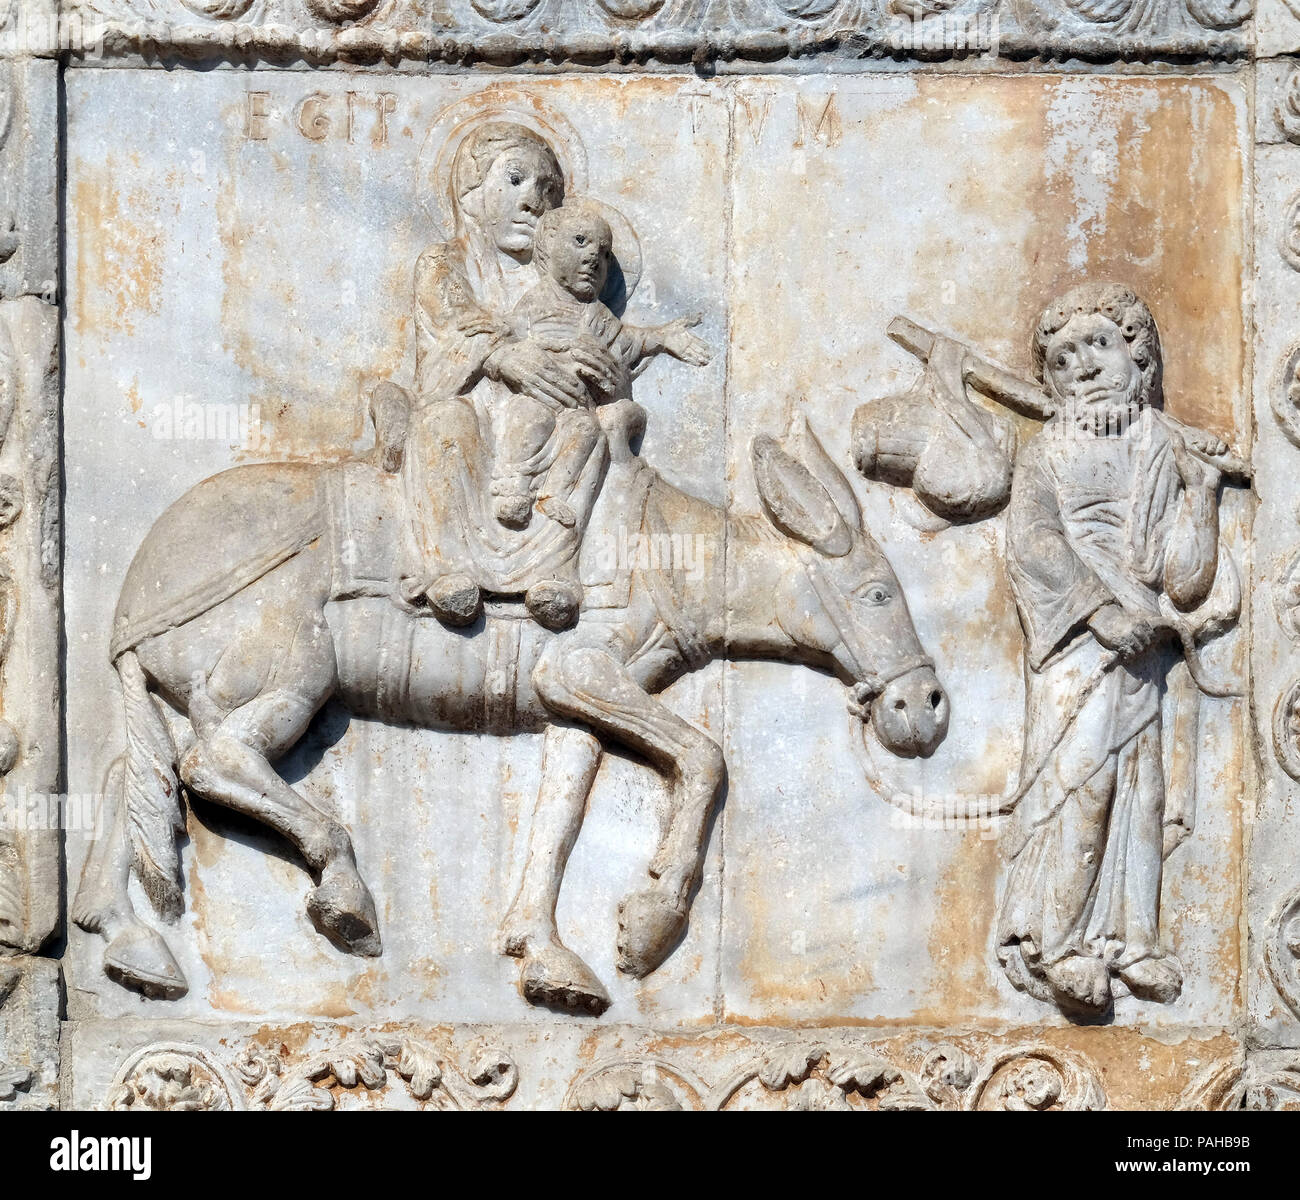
{"x":462,"y":301}
{"x":1095,"y":519}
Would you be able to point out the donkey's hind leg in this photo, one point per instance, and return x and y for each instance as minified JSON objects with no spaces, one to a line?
{"x":230,"y":763}
{"x":136,"y":956}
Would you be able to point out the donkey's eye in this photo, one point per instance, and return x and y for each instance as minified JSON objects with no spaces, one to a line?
{"x":877,"y":593}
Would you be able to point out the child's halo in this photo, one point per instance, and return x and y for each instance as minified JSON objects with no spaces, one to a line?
{"x":625,"y":269}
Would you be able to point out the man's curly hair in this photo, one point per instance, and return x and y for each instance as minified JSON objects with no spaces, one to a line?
{"x":1123,"y":306}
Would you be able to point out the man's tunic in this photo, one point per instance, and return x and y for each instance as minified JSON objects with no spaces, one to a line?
{"x":1093,"y":519}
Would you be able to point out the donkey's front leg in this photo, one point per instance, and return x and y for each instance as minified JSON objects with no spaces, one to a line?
{"x":651,"y":922}
{"x":551,"y":972}
{"x":590,"y":684}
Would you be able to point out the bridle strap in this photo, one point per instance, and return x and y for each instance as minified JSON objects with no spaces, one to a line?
{"x":880,"y":681}
{"x":870,"y":682}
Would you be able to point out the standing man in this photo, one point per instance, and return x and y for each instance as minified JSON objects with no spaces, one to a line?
{"x":1112,"y":547}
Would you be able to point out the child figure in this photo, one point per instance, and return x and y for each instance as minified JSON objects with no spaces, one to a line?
{"x":572,"y":250}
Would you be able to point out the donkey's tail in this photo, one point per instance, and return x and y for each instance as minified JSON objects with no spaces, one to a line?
{"x":150,"y":791}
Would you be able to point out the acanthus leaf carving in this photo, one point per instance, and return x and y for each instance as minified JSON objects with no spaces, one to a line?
{"x":1286,"y":729}
{"x":1282,"y":934}
{"x":504,"y":10}
{"x":792,"y":1065}
{"x":803,"y":1075}
{"x":1258,"y":1081}
{"x":168,"y":1076}
{"x":340,"y":11}
{"x":625,"y":1088}
{"x":1037,"y":1080}
{"x":219,"y":10}
{"x":1286,"y":599}
{"x":1287,"y":110}
{"x":173,"y":1077}
{"x":809,"y":1077}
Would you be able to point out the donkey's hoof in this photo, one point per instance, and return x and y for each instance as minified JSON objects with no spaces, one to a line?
{"x":556,"y":977}
{"x":341,"y":907}
{"x":649,"y":927}
{"x":139,"y":959}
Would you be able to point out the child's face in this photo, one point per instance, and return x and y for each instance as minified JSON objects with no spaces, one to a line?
{"x":579,"y":254}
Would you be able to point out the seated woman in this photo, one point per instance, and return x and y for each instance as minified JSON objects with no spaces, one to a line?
{"x":469,"y":365}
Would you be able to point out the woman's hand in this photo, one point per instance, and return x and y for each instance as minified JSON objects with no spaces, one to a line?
{"x":596,"y":365}
{"x":526,"y":367}
{"x":476,"y":322}
{"x":592,"y":361}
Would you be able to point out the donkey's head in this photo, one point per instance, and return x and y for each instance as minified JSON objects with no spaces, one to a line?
{"x":842,"y":604}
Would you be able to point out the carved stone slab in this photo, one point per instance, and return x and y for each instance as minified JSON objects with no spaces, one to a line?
{"x":1275,"y":985}
{"x":705,"y":554}
{"x":819,"y":899}
{"x":30,"y":734}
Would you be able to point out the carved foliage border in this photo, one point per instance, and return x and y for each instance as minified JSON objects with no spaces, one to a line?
{"x":30,"y":890}
{"x":498,"y":32}
{"x":614,"y":33}
{"x":1276,"y":929}
{"x":29,"y":508}
{"x":397,"y":1069}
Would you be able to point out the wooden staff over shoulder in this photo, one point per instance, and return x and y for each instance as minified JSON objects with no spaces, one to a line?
{"x":1030,"y":400}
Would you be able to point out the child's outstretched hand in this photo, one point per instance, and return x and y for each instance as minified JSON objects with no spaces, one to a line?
{"x":680,"y":342}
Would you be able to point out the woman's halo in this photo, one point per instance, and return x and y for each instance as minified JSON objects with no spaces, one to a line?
{"x":499,"y":102}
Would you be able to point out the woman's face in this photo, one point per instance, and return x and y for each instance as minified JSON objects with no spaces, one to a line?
{"x":520,"y":185}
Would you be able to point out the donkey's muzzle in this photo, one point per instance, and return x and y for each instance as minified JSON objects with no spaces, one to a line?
{"x":911,"y":714}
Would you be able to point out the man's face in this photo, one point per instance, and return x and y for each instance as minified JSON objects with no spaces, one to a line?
{"x":1089,"y":366}
{"x":579,"y":249}
{"x":519,"y":186}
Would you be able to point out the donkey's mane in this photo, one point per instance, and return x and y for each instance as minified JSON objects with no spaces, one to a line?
{"x":754,"y":528}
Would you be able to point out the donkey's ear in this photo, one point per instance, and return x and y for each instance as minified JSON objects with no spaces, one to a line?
{"x":795,"y":502}
{"x":804,"y":445}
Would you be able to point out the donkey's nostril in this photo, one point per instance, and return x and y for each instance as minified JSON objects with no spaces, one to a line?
{"x":936,"y":698}
{"x":899,"y":705}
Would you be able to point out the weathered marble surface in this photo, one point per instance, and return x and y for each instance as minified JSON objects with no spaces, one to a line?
{"x":815,"y":904}
{"x":505,"y":33}
{"x":1274,"y":984}
{"x":212,"y":266}
{"x":29,"y":1034}
{"x":617,"y":1067}
{"x":30,"y":677}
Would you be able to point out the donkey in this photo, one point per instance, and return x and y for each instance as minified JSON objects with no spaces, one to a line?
{"x":221,"y":680}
